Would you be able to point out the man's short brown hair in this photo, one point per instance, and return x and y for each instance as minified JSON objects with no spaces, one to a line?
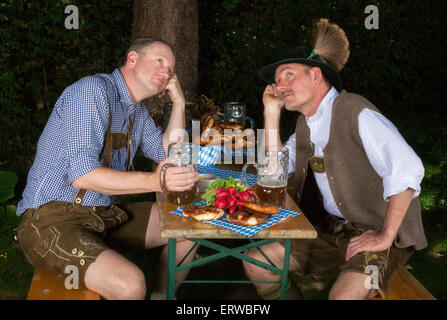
{"x":140,"y":44}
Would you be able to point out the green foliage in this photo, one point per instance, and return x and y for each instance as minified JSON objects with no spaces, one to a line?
{"x":437,"y":187}
{"x":40,"y":57}
{"x":8,"y":180}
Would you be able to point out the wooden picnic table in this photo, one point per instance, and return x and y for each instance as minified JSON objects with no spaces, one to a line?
{"x":173,"y":227}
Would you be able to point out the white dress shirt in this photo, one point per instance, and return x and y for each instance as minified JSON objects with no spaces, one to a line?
{"x":389,"y":154}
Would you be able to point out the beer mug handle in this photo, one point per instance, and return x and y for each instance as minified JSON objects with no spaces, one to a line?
{"x":163,"y":176}
{"x":252,"y":122}
{"x":244,"y":172}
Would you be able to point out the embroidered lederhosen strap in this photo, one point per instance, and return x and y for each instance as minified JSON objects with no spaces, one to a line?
{"x":112,"y":141}
{"x":316,"y":163}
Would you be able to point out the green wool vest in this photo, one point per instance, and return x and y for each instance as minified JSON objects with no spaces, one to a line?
{"x":356,"y":187}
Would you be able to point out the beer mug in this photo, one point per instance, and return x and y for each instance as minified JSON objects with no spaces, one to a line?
{"x":272,"y":173}
{"x":184,"y":154}
{"x":237,"y":112}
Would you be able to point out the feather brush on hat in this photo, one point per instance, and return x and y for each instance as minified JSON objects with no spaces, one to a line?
{"x":331,"y":44}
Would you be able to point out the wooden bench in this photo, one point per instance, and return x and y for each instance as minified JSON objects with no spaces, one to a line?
{"x":48,"y":285}
{"x":406,"y":287}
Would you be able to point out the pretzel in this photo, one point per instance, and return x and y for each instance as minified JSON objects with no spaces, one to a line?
{"x":207,"y":123}
{"x":246,"y":217}
{"x":203,"y":213}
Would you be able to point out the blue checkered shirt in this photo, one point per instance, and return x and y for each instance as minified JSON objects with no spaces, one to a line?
{"x":73,"y":138}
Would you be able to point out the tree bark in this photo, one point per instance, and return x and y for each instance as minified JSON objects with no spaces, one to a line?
{"x":177,"y":23}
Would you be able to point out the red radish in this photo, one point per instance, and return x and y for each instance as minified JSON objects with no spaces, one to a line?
{"x":250,"y":192}
{"x":219,"y":190}
{"x":232,"y":190}
{"x":240,"y":204}
{"x":232,"y":209}
{"x":231,"y":201}
{"x":222,"y":194}
{"x":244,"y":195}
{"x":220,"y":203}
{"x":249,"y":199}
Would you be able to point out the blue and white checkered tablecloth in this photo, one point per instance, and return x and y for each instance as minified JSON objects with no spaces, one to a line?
{"x":224,"y":173}
{"x":246,"y":231}
{"x":239,"y":152}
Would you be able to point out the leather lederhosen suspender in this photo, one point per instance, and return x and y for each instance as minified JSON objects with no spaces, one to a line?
{"x":112,"y":141}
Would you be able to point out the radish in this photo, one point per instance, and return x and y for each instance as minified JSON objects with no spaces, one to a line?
{"x":231,"y":201}
{"x":244,"y":195}
{"x":232,"y":209}
{"x":220,"y":203}
{"x":222,"y":194}
{"x":219,"y":190}
{"x":240,"y":203}
{"x":232,"y":190}
{"x":250,"y":192}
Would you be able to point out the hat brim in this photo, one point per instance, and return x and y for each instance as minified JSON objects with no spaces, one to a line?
{"x":267,"y":73}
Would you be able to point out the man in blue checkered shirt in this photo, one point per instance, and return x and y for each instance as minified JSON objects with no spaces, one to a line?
{"x":82,"y":162}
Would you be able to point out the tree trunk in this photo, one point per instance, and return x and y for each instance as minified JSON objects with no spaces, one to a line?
{"x":176,"y":22}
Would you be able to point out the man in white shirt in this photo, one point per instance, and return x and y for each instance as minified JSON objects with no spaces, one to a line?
{"x":367,"y":176}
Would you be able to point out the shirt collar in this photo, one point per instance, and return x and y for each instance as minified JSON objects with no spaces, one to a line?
{"x":324,"y":104}
{"x":122,"y":88}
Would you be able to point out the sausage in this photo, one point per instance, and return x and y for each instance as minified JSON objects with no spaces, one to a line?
{"x":268,"y":209}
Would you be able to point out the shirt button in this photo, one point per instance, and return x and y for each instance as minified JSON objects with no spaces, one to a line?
{"x":82,"y":262}
{"x":80,"y":253}
{"x":74,"y":251}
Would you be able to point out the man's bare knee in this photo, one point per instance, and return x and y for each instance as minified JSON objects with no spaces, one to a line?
{"x":114,"y":277}
{"x":275,"y":253}
{"x":350,"y":286}
{"x":133,"y":286}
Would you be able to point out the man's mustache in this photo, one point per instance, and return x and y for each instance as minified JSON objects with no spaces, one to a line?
{"x":286,"y":92}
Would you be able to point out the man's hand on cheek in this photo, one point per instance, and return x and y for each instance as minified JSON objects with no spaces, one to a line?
{"x":272,"y":101}
{"x":174,"y":91}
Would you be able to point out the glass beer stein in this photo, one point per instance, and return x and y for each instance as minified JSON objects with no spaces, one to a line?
{"x":272,"y":174}
{"x":237,"y":112}
{"x":183,"y":154}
